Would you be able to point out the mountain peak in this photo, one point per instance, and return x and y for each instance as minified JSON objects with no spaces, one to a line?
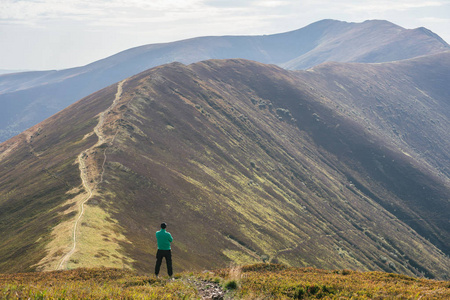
{"x":433,"y":35}
{"x":379,"y":22}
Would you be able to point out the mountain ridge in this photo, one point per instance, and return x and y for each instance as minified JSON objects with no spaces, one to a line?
{"x":254,"y":157}
{"x":29,"y":98}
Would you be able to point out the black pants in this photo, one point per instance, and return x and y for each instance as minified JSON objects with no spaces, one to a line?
{"x":159,"y":257}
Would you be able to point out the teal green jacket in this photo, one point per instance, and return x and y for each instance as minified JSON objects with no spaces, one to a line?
{"x":164,"y":239}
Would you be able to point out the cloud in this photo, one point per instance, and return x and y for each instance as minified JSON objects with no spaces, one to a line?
{"x":227,"y":3}
{"x":228,"y":17}
{"x":388,"y":5}
{"x":86,"y":10}
{"x":434,"y":20}
{"x":122,"y":24}
{"x":42,"y":10}
{"x":271,"y":3}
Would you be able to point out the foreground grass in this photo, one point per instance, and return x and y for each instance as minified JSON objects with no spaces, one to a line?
{"x":279,"y":282}
{"x":92,"y":284}
{"x":260,"y":281}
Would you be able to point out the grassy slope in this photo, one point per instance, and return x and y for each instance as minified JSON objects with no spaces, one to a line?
{"x":36,"y":180}
{"x":405,"y":103}
{"x":248,"y":282}
{"x":244,"y":163}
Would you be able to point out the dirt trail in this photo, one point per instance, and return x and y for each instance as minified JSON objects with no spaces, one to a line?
{"x":89,"y":179}
{"x":208,"y":290}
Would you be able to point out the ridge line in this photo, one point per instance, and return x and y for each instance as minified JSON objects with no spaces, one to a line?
{"x":83,"y":172}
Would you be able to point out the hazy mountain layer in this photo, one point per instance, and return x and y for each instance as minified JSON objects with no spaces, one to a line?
{"x":28,"y":98}
{"x":246,"y":162}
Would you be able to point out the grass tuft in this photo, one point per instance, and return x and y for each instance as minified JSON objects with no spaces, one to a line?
{"x":260,"y":281}
{"x":230,"y":285}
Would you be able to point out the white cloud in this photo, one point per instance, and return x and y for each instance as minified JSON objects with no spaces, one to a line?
{"x":272,"y":3}
{"x":72,"y":27}
{"x":386,"y":5}
{"x":86,"y":10}
{"x":434,"y":20}
{"x":44,"y":9}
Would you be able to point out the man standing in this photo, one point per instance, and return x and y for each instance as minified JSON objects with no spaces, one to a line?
{"x":164,"y":239}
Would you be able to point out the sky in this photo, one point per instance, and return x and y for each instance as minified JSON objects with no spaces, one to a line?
{"x":58,"y":34}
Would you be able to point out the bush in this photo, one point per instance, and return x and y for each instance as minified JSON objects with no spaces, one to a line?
{"x":216,"y":280}
{"x":346,"y":272}
{"x":313,"y":289}
{"x":231,"y":285}
{"x":299,"y":293}
{"x":264,"y":267}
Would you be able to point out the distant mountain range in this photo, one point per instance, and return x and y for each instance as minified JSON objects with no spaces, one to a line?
{"x":28,"y":98}
{"x":12,"y":71}
{"x":344,"y":165}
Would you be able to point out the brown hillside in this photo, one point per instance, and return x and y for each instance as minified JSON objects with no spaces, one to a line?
{"x":406,"y":104}
{"x":245,"y":162}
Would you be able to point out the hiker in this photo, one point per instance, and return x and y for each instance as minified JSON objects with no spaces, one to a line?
{"x":164,"y":239}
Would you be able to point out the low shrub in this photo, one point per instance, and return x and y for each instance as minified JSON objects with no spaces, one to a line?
{"x":230,"y":285}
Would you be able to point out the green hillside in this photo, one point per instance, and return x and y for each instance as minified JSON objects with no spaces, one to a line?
{"x":246,"y":162}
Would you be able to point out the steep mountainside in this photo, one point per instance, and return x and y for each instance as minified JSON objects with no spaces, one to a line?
{"x":246,"y":162}
{"x":28,"y":98}
{"x":406,"y":104}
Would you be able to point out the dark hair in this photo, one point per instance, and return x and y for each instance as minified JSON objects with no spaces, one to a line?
{"x":163,"y":225}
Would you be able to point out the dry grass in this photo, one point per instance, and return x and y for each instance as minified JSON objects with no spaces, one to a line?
{"x":61,"y":235}
{"x":91,"y":284}
{"x":99,"y":237}
{"x":259,"y":281}
{"x":270,"y":281}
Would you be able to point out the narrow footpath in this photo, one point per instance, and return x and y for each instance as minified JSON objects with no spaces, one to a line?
{"x":86,"y":178}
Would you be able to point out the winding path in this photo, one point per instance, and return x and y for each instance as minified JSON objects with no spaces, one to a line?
{"x":85,"y":176}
